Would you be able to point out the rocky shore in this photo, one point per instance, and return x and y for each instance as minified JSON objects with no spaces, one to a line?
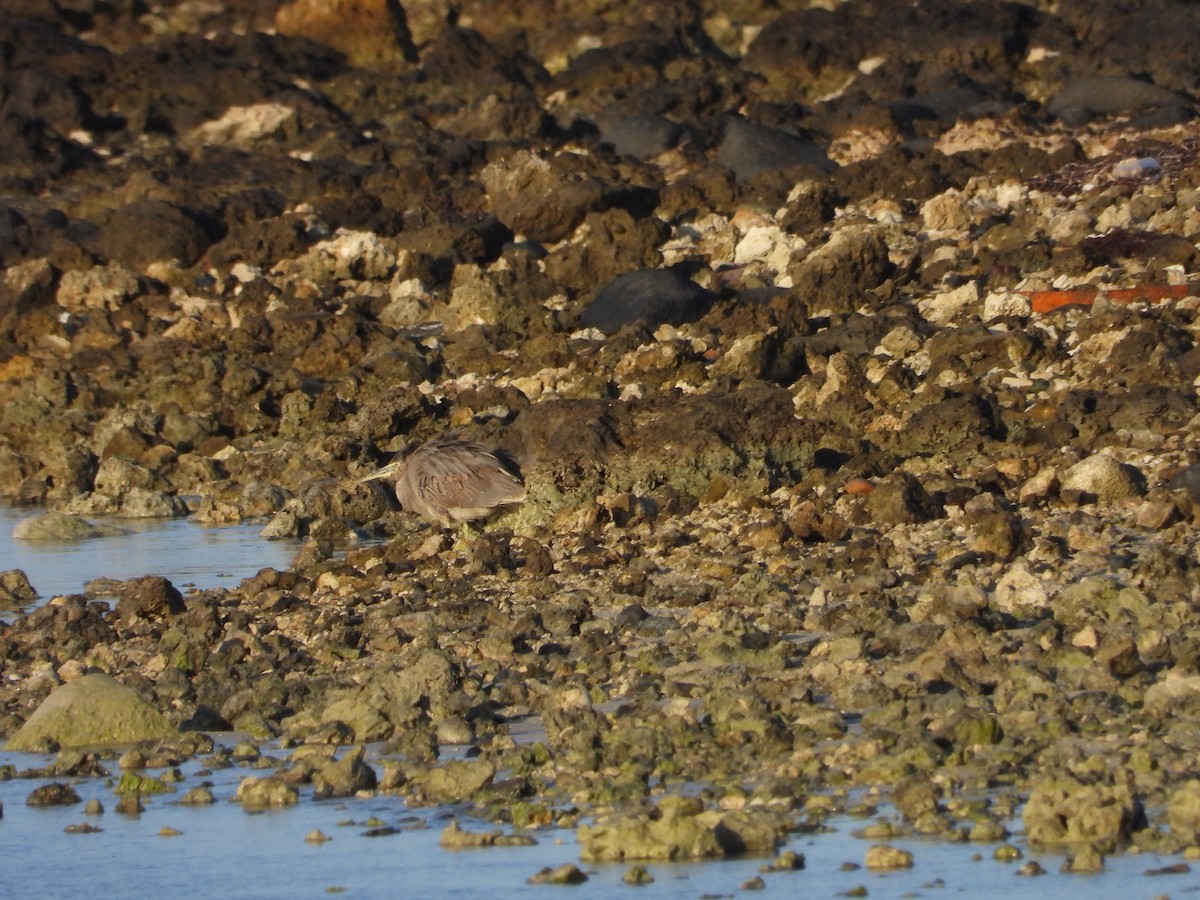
{"x":849,"y":356}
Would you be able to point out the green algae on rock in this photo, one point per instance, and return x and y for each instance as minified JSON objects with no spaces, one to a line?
{"x":58,"y":526}
{"x":1183,"y":812}
{"x":93,"y":711}
{"x":680,"y":828}
{"x":1065,"y":810}
{"x":134,"y":783}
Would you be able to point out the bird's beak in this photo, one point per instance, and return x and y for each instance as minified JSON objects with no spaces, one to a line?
{"x":386,"y":472}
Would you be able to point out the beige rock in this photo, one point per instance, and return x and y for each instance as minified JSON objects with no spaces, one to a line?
{"x":100,"y":287}
{"x":245,"y":127}
{"x":945,"y":307}
{"x":885,"y":856}
{"x":261,"y":793}
{"x":1106,"y":478}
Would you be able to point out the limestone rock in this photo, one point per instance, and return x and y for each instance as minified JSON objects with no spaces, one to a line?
{"x":567,"y":873}
{"x":1104,"y":478}
{"x":1065,"y":811}
{"x":56,"y":526}
{"x":344,"y":777}
{"x":1183,"y":812}
{"x":262,"y":793}
{"x":884,"y":856}
{"x":92,"y":711}
{"x":678,"y":831}
{"x":652,"y":296}
{"x":367,"y":31}
{"x":54,"y":794}
{"x":148,"y":597}
{"x":15,"y":587}
{"x":457,"y":780}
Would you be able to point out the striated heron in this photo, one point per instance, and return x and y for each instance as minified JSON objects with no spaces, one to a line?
{"x":451,"y":480}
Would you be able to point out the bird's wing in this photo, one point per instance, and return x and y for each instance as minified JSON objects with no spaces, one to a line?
{"x":466,"y":476}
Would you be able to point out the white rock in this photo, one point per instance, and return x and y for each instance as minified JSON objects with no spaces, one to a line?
{"x":1136,"y":168}
{"x":1005,"y":303}
{"x":359,"y":254}
{"x":100,"y":287}
{"x":943,"y":308}
{"x":767,"y":243}
{"x":242,"y":127}
{"x":899,"y":342}
{"x":245,"y":273}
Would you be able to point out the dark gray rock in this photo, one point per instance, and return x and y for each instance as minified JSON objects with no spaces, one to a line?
{"x":1109,"y":95}
{"x":652,"y":296}
{"x":642,"y":136}
{"x":749,"y":149}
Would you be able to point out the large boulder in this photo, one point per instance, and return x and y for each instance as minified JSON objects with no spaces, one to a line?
{"x":57,"y":526}
{"x":344,"y":777}
{"x":93,"y":711}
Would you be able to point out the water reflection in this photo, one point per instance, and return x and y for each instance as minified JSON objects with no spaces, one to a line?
{"x":188,"y":554}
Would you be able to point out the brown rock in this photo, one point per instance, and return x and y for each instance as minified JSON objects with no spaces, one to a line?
{"x":148,"y":597}
{"x":368,"y":31}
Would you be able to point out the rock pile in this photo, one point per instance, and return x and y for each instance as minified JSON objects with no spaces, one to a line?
{"x":849,"y":356}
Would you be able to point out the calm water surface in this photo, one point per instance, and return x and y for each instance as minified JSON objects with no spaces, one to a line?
{"x":188,"y":554}
{"x":226,"y":852}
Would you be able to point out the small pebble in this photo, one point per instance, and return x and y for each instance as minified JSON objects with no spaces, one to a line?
{"x":130,"y":805}
{"x":858,"y":486}
{"x":567,"y":873}
{"x":637,"y":875}
{"x":1136,"y":168}
{"x":82,"y":828}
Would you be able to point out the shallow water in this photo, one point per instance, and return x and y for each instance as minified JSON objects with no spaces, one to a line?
{"x":225,"y":851}
{"x":188,"y":554}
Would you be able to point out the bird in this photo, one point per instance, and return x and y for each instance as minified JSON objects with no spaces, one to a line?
{"x":451,"y":480}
